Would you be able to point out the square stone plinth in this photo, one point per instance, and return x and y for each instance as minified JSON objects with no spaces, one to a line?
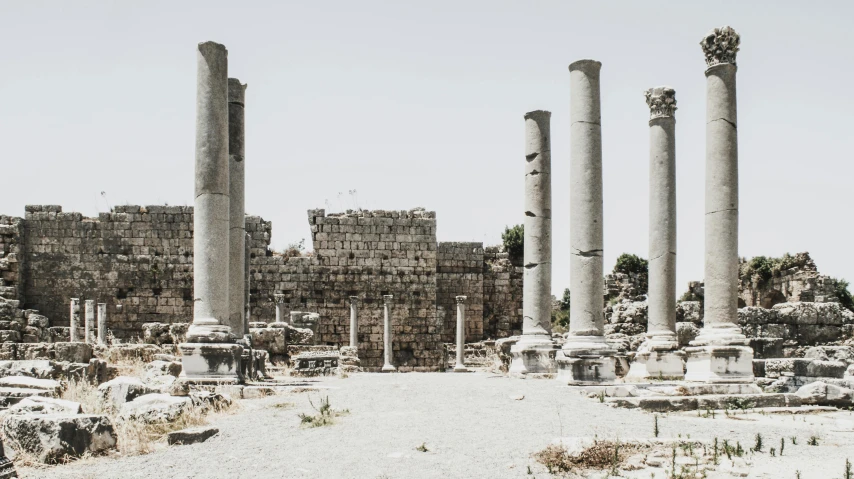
{"x":720,"y":364}
{"x":529,"y":361}
{"x":586,"y":369}
{"x":218,"y":361}
{"x":662,"y":365}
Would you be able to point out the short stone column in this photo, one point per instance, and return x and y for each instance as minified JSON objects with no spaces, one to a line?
{"x":534,"y":353}
{"x":658,"y":357}
{"x":237,"y":213}
{"x":74,"y":320}
{"x":102,"y":324}
{"x":354,"y":322}
{"x":280,"y":307}
{"x":586,"y":357}
{"x":720,"y":353}
{"x":460,"y":367}
{"x":388,"y":352}
{"x":210,"y":352}
{"x":90,"y":321}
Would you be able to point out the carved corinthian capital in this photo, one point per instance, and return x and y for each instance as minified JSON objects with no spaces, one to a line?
{"x":720,"y":46}
{"x":461,"y":299}
{"x":661,"y":101}
{"x":279,"y":298}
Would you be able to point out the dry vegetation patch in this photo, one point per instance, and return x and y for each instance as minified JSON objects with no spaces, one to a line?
{"x":602,"y":454}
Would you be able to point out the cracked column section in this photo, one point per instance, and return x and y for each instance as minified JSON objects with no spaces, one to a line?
{"x":720,"y":353}
{"x":210,"y":354}
{"x":237,"y":214}
{"x":534,"y":352}
{"x":586,"y":327}
{"x":661,"y":332}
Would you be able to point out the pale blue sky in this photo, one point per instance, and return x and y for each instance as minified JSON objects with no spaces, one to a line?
{"x":422,"y":104}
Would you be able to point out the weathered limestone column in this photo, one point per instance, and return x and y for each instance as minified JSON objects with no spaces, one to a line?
{"x":237,"y":214}
{"x":210,"y":351}
{"x":658,"y":357}
{"x":535,"y":350}
{"x":247,"y":310}
{"x":102,"y":324}
{"x":460,"y":367}
{"x":280,"y":307}
{"x":388,"y":352}
{"x":354,"y":322}
{"x":586,"y":357}
{"x":74,"y":320}
{"x":722,"y":353}
{"x":90,"y":321}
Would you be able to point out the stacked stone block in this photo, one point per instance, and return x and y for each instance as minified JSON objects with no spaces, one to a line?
{"x":502,"y":294}
{"x":459,"y":272}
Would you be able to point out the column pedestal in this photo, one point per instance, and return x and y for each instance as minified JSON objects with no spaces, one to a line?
{"x":211,"y":362}
{"x":586,"y":360}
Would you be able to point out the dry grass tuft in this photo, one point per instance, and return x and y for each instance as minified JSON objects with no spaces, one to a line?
{"x":600,"y":455}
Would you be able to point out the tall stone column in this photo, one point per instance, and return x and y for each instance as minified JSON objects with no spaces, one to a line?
{"x":210,"y":351}
{"x":535,"y":351}
{"x":90,"y":321}
{"x":460,"y":367}
{"x":354,"y":322}
{"x":280,"y":307}
{"x":658,"y":356}
{"x":74,"y":320}
{"x":586,"y":357}
{"x":721,"y":352}
{"x":237,"y":214}
{"x":388,"y":352}
{"x":102,"y":324}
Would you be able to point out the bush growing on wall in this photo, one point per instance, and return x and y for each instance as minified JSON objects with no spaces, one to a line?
{"x":634,"y":266}
{"x":514,"y":240}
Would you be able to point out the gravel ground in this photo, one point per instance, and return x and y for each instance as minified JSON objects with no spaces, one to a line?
{"x":473,"y":426}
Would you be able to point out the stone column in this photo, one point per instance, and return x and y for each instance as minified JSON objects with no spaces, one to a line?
{"x":586,"y":357}
{"x":658,"y":356}
{"x":460,"y":367}
{"x":388,"y":352}
{"x":237,"y":214}
{"x":280,"y":307}
{"x":74,"y":320}
{"x":535,"y":351}
{"x":90,"y":321}
{"x":722,"y":353}
{"x":102,"y":324}
{"x":210,"y":351}
{"x":354,"y":322}
{"x":247,"y":310}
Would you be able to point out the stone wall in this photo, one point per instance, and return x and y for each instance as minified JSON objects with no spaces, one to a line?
{"x":137,"y":260}
{"x":459,"y":271}
{"x":502,"y":295}
{"x":10,"y":240}
{"x":799,"y":282}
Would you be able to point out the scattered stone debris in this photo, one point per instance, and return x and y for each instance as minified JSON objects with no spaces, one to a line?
{"x":191,"y":436}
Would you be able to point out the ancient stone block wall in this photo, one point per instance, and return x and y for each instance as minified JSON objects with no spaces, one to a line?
{"x":459,"y":271}
{"x":502,"y":295}
{"x":801,"y":282}
{"x":367,"y":254}
{"x":137,"y":260}
{"x":10,"y":240}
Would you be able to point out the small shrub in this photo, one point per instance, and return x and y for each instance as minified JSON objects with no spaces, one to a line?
{"x":812,"y":441}
{"x":514,"y":241}
{"x":325,"y":414}
{"x":422,"y":447}
{"x":757,"y":447}
{"x":634,"y":265}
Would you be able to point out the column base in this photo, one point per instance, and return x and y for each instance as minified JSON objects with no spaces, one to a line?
{"x":388,"y":368}
{"x":662,"y":365}
{"x":720,"y":364}
{"x":588,"y":369}
{"x":533,"y":356}
{"x":461,"y":369}
{"x":216,"y":361}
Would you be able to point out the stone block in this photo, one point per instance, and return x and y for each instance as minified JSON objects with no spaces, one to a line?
{"x":73,"y":352}
{"x":211,"y":361}
{"x":191,"y":436}
{"x":269,"y":339}
{"x":719,"y":364}
{"x":767,"y":347}
{"x":46,"y":405}
{"x":155,"y":408}
{"x":823,"y":394}
{"x":831,"y":353}
{"x":122,"y":389}
{"x":52,"y":387}
{"x":686,"y":332}
{"x":52,"y":438}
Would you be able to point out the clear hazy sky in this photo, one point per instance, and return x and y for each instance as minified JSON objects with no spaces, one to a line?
{"x":422,"y":103}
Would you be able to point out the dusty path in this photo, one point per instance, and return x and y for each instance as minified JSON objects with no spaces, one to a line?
{"x":471,"y":424}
